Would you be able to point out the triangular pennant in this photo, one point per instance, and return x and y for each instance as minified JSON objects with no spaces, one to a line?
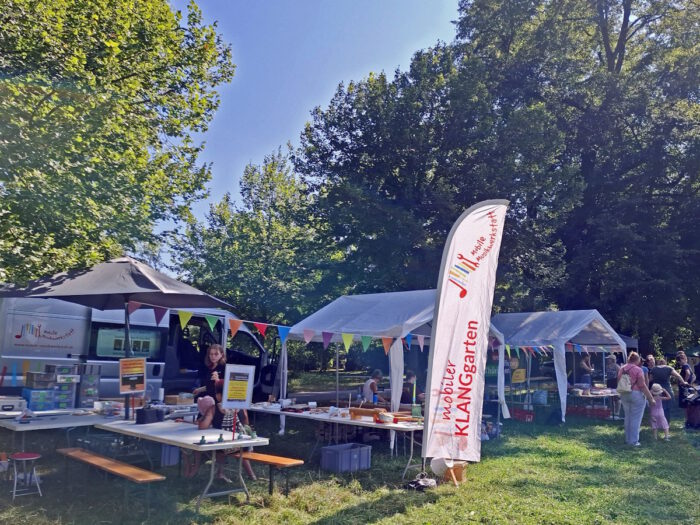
{"x":386,"y":341}
{"x":366,"y":340}
{"x":184,"y":318}
{"x":536,"y":350}
{"x":327,"y":336}
{"x":409,"y":338}
{"x":262,"y":328}
{"x":347,"y":340}
{"x":543,"y":349}
{"x":421,"y":340}
{"x":578,"y":348}
{"x":517,"y":351}
{"x":234,"y":325}
{"x":132,"y":306}
{"x":159,"y":313}
{"x":211,"y":321}
{"x":508,"y":350}
{"x":283,"y":331}
{"x":308,"y":335}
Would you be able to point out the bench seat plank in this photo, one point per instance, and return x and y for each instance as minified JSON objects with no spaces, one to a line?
{"x":117,"y":468}
{"x":275,"y":461}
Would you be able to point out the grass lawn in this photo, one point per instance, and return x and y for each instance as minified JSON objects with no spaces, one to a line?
{"x":577,"y":474}
{"x":316,"y":381}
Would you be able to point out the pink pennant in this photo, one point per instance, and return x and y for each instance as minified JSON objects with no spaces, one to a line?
{"x":262,"y":328}
{"x":326,"y":338}
{"x":133,"y":306}
{"x":308,"y":335}
{"x":421,"y":341}
{"x":159,"y":313}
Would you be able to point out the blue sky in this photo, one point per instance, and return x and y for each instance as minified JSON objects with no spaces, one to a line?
{"x":290,"y":56}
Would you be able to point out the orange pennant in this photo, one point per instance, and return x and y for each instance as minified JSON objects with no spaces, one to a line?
{"x":386,"y":341}
{"x":234,"y":324}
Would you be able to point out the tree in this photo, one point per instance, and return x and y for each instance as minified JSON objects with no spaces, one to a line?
{"x":98,"y":101}
{"x":259,"y":255}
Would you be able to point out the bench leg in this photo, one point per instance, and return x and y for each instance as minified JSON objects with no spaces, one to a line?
{"x":272,"y":482}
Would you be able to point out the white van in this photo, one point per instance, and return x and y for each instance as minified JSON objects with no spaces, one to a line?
{"x":36,"y":332}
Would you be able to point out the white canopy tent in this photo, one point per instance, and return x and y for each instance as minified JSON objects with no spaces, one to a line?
{"x":393,"y":314}
{"x":579,"y":327}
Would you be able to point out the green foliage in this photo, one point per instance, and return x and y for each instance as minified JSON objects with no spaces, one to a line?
{"x":98,"y":100}
{"x":259,"y":255}
{"x":584,"y":115}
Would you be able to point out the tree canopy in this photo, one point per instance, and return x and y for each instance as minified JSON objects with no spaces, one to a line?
{"x":583,"y":114}
{"x":98,"y":103}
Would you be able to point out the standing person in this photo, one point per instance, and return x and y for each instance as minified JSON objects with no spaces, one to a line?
{"x":611,"y":370}
{"x":370,"y":389}
{"x":633,"y":402}
{"x":650,"y":364}
{"x":685,"y":372}
{"x":211,"y":373}
{"x":586,"y":372}
{"x":658,"y":420}
{"x":661,"y":374}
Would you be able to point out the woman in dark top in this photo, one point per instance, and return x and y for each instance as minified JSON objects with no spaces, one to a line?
{"x":211,"y":374}
{"x":661,"y":374}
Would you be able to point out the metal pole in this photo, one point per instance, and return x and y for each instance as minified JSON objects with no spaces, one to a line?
{"x":127,"y":352}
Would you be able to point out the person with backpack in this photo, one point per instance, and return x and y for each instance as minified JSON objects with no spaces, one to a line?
{"x":632,"y":390}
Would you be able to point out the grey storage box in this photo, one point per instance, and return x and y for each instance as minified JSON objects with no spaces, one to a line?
{"x":348,"y":457}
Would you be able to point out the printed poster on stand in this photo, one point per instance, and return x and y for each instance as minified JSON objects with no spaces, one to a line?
{"x":238,"y":386}
{"x":132,"y":375}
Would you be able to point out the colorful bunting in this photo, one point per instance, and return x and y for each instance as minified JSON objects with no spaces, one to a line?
{"x":308,"y":335}
{"x":508,"y":350}
{"x":159,"y":313}
{"x":262,"y":328}
{"x":132,"y":306}
{"x":366,"y":340}
{"x":283,"y":332}
{"x":421,"y":340}
{"x":234,"y":324}
{"x":578,"y":348}
{"x":211,"y":321}
{"x":184,"y":318}
{"x":327,"y":336}
{"x":517,"y":351}
{"x":409,"y":338}
{"x":386,"y":341}
{"x":347,"y":341}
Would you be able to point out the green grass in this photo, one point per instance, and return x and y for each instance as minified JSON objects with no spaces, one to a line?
{"x":316,"y":381}
{"x":577,"y":474}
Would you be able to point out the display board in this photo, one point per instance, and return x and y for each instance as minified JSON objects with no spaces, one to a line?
{"x":132,"y":375}
{"x":238,"y":386}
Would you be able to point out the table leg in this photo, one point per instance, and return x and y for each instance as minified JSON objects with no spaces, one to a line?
{"x":240,"y":476}
{"x":410,"y":458}
{"x":212,"y":471}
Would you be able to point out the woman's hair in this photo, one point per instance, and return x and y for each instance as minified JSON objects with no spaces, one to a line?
{"x":220,"y":348}
{"x":410,"y":374}
{"x":377,"y":373}
{"x":660,"y":361}
{"x":680,"y":354}
{"x":633,"y":357}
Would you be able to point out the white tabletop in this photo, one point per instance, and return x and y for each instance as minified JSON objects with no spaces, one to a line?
{"x":54,"y":422}
{"x":181,"y":434}
{"x":325,"y":417}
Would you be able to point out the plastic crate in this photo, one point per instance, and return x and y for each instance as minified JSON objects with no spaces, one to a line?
{"x":39,"y":380}
{"x":33,"y":395}
{"x":348,"y":457}
{"x":64,"y":387}
{"x":61,"y":369}
{"x":36,"y":406}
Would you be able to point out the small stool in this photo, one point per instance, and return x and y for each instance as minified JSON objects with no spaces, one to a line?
{"x":29,"y":477}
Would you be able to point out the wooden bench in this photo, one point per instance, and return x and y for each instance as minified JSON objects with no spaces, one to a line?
{"x":275,"y":463}
{"x":112,"y":466}
{"x":116,"y":468}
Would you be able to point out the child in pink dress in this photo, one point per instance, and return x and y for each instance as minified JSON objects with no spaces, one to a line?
{"x":658,"y":420}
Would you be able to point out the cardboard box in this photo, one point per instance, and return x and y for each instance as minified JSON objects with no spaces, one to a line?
{"x":177,"y":400}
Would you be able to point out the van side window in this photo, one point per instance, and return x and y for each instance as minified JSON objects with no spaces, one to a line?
{"x":244,"y":343}
{"x":108,"y":341}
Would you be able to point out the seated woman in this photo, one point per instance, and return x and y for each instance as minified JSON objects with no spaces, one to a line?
{"x":213,"y":415}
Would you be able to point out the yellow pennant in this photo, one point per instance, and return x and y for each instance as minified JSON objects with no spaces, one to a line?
{"x":184,"y":317}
